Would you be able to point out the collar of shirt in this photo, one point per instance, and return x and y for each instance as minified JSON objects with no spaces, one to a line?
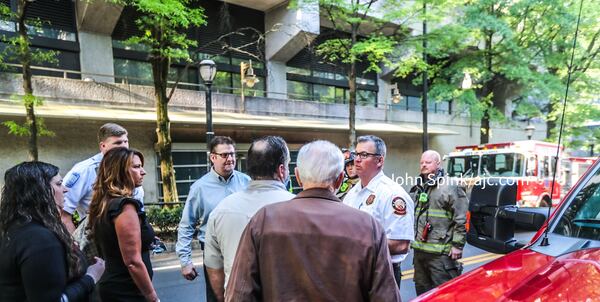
{"x":98,"y":157}
{"x":221,"y":178}
{"x":266,"y":184}
{"x":373,"y":183}
{"x":321,"y":193}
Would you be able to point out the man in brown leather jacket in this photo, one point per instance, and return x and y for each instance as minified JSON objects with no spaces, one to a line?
{"x":313,"y":247}
{"x":440,"y":220}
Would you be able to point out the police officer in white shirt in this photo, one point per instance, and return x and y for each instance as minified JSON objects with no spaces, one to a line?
{"x":81,"y":178}
{"x":383,"y":198}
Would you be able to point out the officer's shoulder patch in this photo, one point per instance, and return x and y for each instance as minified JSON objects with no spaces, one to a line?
{"x":399,"y":206}
{"x":370,"y":199}
{"x":73,"y":178}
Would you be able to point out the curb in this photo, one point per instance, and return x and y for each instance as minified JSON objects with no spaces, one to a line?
{"x":171,"y":246}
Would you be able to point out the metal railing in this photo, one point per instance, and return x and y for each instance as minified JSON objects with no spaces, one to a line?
{"x":129,"y":80}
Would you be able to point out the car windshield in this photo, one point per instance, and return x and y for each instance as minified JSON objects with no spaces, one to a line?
{"x":581,"y":219}
{"x":502,"y":164}
{"x":463,"y":166}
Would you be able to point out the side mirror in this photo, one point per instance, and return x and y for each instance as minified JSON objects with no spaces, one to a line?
{"x":494,"y":215}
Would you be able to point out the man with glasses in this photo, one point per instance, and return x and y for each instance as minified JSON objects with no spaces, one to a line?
{"x":268,"y":166}
{"x":384,"y":199}
{"x":205,"y":194}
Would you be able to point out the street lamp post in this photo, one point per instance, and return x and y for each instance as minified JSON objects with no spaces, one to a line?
{"x":425,"y":88}
{"x":208,"y":70}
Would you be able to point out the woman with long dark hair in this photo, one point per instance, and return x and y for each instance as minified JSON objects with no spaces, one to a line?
{"x":120,"y":229}
{"x":38,"y":260}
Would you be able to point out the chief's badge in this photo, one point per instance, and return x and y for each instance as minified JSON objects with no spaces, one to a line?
{"x":399,"y":206}
{"x":370,"y":199}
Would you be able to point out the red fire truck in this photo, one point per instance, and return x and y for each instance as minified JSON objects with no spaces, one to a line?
{"x":528,"y":163}
{"x":572,"y":169}
{"x":560,"y":263}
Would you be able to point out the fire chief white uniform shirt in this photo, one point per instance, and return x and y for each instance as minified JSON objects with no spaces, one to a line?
{"x":389,"y":204}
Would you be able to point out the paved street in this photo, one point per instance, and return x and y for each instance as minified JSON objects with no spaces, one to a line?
{"x":171,"y":287}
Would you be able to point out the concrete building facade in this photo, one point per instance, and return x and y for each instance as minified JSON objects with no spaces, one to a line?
{"x":99,"y":79}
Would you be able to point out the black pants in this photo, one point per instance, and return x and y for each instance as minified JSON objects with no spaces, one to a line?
{"x":210,"y":293}
{"x":397,"y":273}
{"x":432,"y":270}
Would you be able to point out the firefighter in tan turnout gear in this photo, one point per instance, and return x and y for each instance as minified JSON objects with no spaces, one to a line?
{"x":440,"y":225}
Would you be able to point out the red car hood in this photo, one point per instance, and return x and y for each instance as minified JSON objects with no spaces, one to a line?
{"x":525,"y":275}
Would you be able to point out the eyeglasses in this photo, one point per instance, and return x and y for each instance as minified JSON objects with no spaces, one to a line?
{"x":364,"y":155}
{"x":225,"y":155}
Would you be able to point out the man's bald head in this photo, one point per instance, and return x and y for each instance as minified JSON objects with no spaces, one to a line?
{"x":265,"y":157}
{"x":430,"y":162}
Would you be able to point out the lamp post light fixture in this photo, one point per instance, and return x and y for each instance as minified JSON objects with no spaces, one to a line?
{"x":248,"y":78}
{"x":467,"y":82}
{"x":208,"y":70}
{"x":396,"y":96}
{"x":529,"y":131}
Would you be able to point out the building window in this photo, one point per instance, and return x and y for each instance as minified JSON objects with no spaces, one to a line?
{"x":328,"y":87}
{"x":132,"y":72}
{"x":57,"y":19}
{"x":366,"y":97}
{"x":299,"y":90}
{"x":229,"y":82}
{"x":413,"y":103}
{"x":140,"y":73}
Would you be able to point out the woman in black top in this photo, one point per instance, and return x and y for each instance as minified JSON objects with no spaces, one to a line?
{"x":38,"y":260}
{"x":120,"y":229}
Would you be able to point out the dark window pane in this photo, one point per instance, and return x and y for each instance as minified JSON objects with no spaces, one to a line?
{"x":222,"y":82}
{"x":189,"y":157}
{"x":299,"y":90}
{"x":324,"y":94}
{"x":414,"y":103}
{"x":340,"y":95}
{"x":443,"y":107}
{"x":366,"y":97}
{"x":133,"y":72}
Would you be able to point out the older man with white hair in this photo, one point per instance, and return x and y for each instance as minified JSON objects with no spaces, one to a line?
{"x":313,"y":248}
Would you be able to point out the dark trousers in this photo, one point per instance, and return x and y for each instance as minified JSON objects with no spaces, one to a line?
{"x":210,"y":294}
{"x":432,"y":270}
{"x":397,"y":273}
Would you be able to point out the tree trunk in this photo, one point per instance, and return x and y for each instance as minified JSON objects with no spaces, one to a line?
{"x":352,"y":96}
{"x":25,"y":58}
{"x":160,"y":70}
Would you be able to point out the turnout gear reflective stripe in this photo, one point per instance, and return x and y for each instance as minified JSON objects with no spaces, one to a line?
{"x":438,"y":248}
{"x":437,"y":213}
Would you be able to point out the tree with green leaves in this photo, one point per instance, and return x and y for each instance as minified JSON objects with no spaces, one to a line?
{"x":358,"y":38}
{"x":516,"y":52}
{"x":163,"y":26}
{"x":484,"y":43}
{"x":558,"y":24}
{"x":18,"y":49}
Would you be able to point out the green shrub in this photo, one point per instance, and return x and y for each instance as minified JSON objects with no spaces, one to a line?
{"x":164,"y":219}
